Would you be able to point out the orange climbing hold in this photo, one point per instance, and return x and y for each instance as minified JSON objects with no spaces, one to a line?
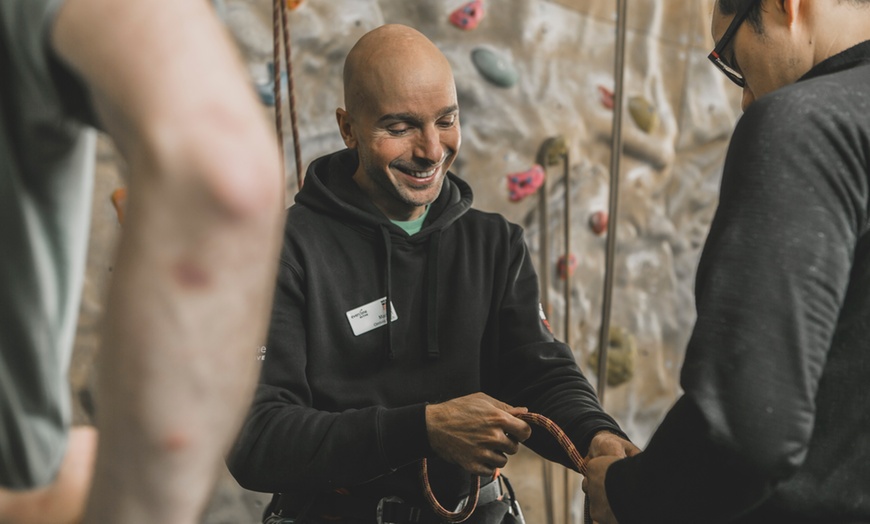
{"x":598,"y":222}
{"x":293,"y":4}
{"x":566,"y":266}
{"x":119,"y":200}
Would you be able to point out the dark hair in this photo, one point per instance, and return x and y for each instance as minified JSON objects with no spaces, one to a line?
{"x":730,"y":7}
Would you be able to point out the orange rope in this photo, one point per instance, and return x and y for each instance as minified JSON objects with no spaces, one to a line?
{"x":469,"y":507}
{"x":281,"y":26}
{"x":276,"y":78}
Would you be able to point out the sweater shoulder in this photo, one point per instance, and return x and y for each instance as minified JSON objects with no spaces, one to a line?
{"x":812,"y":107}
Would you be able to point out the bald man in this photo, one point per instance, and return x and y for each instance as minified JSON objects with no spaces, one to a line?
{"x":406,"y":324}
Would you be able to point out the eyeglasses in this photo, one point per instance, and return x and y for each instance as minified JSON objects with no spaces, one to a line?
{"x":716,"y":56}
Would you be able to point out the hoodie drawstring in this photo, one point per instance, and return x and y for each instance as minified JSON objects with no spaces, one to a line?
{"x":388,"y":247}
{"x":432,"y":350}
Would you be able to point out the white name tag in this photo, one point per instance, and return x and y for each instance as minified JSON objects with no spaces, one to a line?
{"x":370,"y":316}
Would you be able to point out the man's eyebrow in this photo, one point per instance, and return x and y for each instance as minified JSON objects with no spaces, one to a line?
{"x":414,"y":117}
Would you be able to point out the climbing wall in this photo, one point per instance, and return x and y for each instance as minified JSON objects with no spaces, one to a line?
{"x":550,"y":67}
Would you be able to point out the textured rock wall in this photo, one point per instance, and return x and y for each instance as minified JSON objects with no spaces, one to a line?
{"x":563,"y":51}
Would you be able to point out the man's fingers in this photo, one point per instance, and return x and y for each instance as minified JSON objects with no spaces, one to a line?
{"x":507,"y":445}
{"x":517,"y":429}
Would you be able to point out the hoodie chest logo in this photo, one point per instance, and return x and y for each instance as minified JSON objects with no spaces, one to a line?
{"x":370,"y":316}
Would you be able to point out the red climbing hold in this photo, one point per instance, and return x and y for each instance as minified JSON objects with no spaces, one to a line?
{"x":606,"y":97}
{"x":566,"y":269}
{"x":525,"y":183}
{"x":598,"y":222}
{"x":468,"y":16}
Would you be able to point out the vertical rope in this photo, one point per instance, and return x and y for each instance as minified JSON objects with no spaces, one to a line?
{"x":615,"y":154}
{"x":276,"y":76}
{"x":566,"y":479}
{"x":291,"y":96}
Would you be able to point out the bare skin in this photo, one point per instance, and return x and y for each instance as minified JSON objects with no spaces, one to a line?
{"x":195,"y":267}
{"x":62,"y":501}
{"x":796,"y":36}
{"x":402,"y":117}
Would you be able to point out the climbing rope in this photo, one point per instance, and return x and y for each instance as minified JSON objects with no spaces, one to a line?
{"x":468,"y":508}
{"x":281,"y":31}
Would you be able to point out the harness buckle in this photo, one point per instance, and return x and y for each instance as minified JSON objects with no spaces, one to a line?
{"x":393,"y":510}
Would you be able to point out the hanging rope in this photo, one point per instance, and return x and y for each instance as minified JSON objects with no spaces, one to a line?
{"x":469,"y":507}
{"x":615,"y":155}
{"x":281,"y":32}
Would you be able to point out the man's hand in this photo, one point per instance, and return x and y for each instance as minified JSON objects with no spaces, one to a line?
{"x":605,"y":449}
{"x":476,"y":432}
{"x":593,"y":486}
{"x":606,"y":444}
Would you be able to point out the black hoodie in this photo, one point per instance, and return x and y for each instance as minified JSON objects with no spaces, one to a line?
{"x":339,"y":410}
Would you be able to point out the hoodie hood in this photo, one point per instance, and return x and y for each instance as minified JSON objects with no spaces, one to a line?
{"x":330,"y":189}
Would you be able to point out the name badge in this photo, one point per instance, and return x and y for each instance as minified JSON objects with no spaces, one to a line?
{"x":370,"y":316}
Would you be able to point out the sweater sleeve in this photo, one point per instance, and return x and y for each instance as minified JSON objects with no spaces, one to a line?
{"x":538,"y":372}
{"x":286,"y":445}
{"x":770,"y":286}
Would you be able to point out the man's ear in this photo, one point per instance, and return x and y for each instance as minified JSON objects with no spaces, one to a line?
{"x":345,"y":128}
{"x":790,"y":11}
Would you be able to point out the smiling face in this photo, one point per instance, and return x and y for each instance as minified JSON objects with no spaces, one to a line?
{"x":769,"y":57}
{"x":402,"y":118}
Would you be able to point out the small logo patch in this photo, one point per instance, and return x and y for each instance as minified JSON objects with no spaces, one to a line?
{"x":544,"y":318}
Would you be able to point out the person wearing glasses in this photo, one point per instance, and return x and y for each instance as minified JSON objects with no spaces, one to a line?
{"x":774,"y":425}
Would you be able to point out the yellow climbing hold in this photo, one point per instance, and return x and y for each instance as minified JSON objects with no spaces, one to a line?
{"x":643,"y":113}
{"x":621,"y":356}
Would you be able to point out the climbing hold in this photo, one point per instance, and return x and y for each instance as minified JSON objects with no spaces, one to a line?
{"x":119,"y":200}
{"x":293,"y":4}
{"x":552,"y":151}
{"x":621,"y":356}
{"x":266,"y":89}
{"x":606,"y":97}
{"x":643,"y":113}
{"x":494,"y":67}
{"x":598,"y":222}
{"x":468,"y":16}
{"x":525,"y":183}
{"x":567,"y":267}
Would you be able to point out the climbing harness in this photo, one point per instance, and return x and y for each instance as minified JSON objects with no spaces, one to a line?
{"x":466,"y":510}
{"x":281,"y":32}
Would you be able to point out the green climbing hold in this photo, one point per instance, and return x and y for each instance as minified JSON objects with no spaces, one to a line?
{"x":643,"y":113}
{"x":494,"y":67}
{"x":552,"y":151}
{"x":621,"y":356}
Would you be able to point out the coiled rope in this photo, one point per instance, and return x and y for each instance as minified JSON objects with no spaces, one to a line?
{"x":468,"y":508}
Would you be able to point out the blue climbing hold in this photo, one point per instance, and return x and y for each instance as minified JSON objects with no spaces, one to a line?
{"x":494,"y":67}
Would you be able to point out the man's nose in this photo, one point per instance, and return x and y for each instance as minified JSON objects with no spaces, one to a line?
{"x":429,"y":145}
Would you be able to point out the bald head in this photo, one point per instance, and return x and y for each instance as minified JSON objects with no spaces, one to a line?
{"x":391,"y":56}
